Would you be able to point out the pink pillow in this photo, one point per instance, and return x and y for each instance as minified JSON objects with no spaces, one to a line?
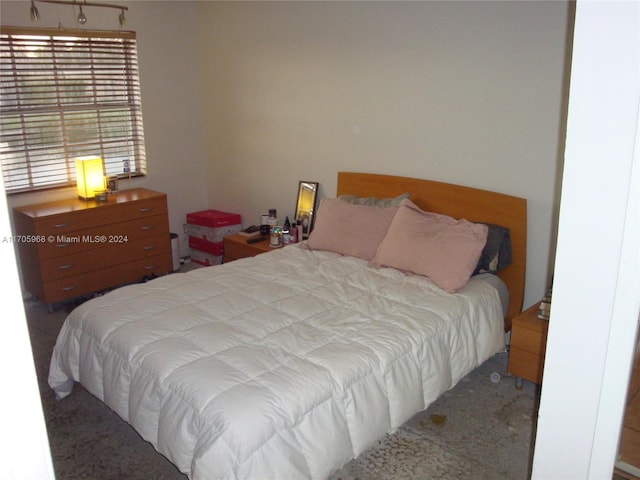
{"x":436,"y":246}
{"x":348,"y":229}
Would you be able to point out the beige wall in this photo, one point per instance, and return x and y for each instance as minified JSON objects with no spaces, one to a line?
{"x":461,"y":92}
{"x":241,"y":100}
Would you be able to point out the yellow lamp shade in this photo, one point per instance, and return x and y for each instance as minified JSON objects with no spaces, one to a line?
{"x":89,"y":176}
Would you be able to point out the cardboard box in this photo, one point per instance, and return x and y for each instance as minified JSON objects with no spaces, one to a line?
{"x":205,"y":252}
{"x":206,"y":246}
{"x":204,"y":258}
{"x":213,"y":225}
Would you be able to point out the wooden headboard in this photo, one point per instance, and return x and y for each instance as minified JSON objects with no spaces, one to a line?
{"x":459,"y":202}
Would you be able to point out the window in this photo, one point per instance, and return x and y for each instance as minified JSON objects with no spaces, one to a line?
{"x":66,"y":95}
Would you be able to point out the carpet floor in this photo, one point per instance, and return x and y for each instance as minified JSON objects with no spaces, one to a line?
{"x":480,"y":429}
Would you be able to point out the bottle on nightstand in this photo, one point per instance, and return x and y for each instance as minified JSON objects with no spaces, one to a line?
{"x":286,"y":231}
{"x":273,"y":218}
{"x":300,"y":233}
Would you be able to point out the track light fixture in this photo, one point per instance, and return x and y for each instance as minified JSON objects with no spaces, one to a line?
{"x":82,"y":19}
{"x":35,"y":14}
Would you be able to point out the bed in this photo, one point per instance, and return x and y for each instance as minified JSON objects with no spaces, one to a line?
{"x":290,"y":364}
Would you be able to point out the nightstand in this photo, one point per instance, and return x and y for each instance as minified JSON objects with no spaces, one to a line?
{"x":527,"y":346}
{"x":236,"y":247}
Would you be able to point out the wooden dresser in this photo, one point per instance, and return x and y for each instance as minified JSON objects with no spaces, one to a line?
{"x":74,"y":247}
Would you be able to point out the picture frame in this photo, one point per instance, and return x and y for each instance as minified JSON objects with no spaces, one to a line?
{"x":306,"y":206}
{"x":112,"y":184}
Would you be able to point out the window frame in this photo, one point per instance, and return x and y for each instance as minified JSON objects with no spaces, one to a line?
{"x":89,"y":107}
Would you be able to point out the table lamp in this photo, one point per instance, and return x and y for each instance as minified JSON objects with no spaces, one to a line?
{"x":89,"y":176}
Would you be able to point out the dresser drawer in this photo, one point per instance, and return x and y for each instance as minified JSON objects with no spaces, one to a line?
{"x":103,"y":235}
{"x":104,"y":214}
{"x":77,"y":285}
{"x":115,"y":253}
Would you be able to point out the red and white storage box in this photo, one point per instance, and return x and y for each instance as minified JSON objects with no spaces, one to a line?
{"x":205,"y":252}
{"x":207,"y":230}
{"x":213,"y":225}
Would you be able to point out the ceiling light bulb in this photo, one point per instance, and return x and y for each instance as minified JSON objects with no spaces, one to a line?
{"x":81,"y":18}
{"x":35,"y":14}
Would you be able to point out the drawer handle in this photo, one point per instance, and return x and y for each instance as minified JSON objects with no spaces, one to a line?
{"x":146,"y":209}
{"x":146,"y":227}
{"x":68,"y":289}
{"x":149,"y":247}
{"x":62,"y":245}
{"x":149,"y":267}
{"x":60,"y":225}
{"x":65,"y":267}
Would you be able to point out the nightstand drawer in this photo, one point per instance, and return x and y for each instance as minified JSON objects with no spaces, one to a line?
{"x":236,"y":247}
{"x":525,"y":364}
{"x":527,"y":346}
{"x":529,"y":340}
{"x":234,"y":251}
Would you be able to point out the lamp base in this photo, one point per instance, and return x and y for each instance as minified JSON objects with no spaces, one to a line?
{"x":101,"y":195}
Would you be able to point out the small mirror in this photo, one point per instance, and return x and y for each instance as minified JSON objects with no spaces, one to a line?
{"x":306,"y":205}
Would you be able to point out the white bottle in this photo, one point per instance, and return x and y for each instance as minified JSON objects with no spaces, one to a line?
{"x":273,"y":218}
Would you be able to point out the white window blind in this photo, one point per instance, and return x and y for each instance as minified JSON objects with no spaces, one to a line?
{"x":66,"y":95}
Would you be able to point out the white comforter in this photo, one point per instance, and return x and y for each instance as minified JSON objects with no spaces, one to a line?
{"x":285,"y":366}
